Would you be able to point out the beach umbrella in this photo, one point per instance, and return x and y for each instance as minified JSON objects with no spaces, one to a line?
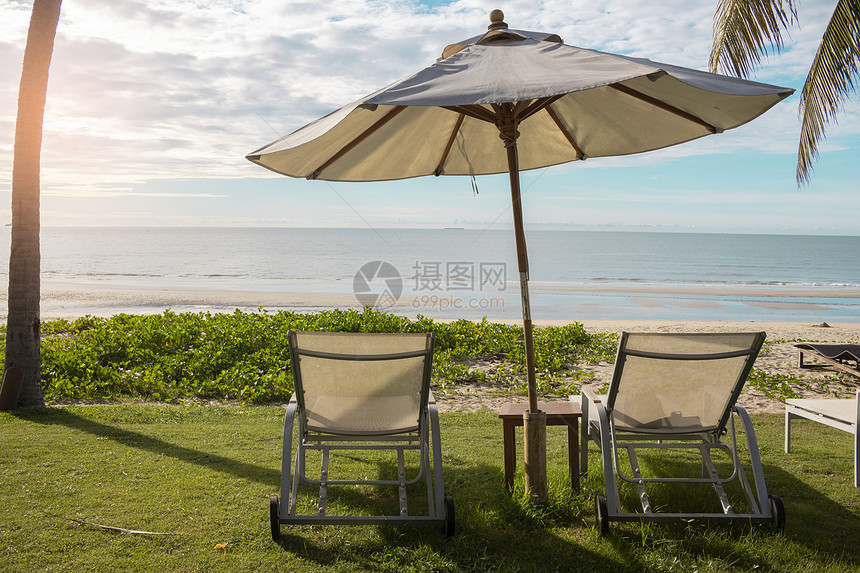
{"x":548,"y":102}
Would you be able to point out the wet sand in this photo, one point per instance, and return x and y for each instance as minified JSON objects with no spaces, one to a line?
{"x":763,"y":291}
{"x":70,"y":299}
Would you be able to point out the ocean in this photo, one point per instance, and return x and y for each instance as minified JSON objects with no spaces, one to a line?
{"x":452,"y":273}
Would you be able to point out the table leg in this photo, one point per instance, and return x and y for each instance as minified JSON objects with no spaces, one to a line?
{"x":508,"y":429}
{"x":573,"y":453}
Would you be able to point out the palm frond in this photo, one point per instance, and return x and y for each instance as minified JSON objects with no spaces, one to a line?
{"x":743,"y":32}
{"x":832,"y":78}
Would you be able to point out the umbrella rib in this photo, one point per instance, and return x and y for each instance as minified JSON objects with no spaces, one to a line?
{"x":664,"y":106}
{"x":361,"y":137}
{"x":538,"y":105}
{"x":520,"y":106}
{"x":564,"y":131}
{"x":451,"y":139}
{"x":474,"y":111}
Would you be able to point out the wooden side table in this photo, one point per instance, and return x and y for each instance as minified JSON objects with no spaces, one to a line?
{"x":557,"y":414}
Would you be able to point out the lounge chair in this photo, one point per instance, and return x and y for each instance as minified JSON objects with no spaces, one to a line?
{"x":676,"y":391}
{"x":845,"y":357}
{"x":840,"y":413}
{"x":357,"y":392}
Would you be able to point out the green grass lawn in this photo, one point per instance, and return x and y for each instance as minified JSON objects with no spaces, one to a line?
{"x":204,"y":474}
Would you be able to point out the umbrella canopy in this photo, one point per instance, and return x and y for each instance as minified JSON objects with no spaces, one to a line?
{"x":571,"y":104}
{"x":550,"y":103}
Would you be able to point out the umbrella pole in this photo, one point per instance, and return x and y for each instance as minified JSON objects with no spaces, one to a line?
{"x":534,"y":421}
{"x":523,"y":267}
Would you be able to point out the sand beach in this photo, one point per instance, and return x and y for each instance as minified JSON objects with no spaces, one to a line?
{"x":74,"y":298}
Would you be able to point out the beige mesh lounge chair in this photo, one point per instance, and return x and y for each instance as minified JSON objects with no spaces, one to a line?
{"x":676,"y":391}
{"x":358,"y":392}
{"x":840,"y":413}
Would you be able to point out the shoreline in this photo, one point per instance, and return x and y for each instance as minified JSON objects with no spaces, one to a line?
{"x":72,"y":298}
{"x":765,"y":291}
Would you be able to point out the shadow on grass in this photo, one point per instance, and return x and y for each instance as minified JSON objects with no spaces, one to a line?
{"x":370,"y":500}
{"x":494,"y":532}
{"x":815,"y":523}
{"x":148,"y":443}
{"x":498,"y":532}
{"x":813,"y":519}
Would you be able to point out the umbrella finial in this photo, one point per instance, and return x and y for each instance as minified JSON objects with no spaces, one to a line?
{"x":497,"y":18}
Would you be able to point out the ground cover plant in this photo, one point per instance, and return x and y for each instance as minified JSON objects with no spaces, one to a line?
{"x":243,"y":356}
{"x":202,"y":475}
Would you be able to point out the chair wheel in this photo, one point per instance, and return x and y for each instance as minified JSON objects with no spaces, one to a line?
{"x":275,"y":518}
{"x":777,"y":510}
{"x":602,"y":512}
{"x":449,"y":516}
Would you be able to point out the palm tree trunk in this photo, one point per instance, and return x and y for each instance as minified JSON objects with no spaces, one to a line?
{"x":22,"y":323}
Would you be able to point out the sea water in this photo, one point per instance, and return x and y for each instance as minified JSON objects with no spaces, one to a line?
{"x":573,"y":274}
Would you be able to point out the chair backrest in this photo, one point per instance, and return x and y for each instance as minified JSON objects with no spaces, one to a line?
{"x":679,"y":383}
{"x":362,"y":384}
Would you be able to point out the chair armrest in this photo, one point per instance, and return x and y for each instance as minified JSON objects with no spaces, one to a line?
{"x":431,"y":398}
{"x":590,"y":394}
{"x":590,"y":428}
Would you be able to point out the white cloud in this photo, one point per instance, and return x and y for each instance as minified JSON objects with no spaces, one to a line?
{"x":103,"y":193}
{"x":172,"y":89}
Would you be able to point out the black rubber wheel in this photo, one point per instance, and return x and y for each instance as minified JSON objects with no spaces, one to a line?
{"x":275,"y":518}
{"x":602,"y":512}
{"x":449,"y":516}
{"x":777,"y":510}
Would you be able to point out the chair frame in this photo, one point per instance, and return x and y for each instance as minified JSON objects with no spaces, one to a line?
{"x":440,"y":509}
{"x":600,"y":427}
{"x":842,"y":364}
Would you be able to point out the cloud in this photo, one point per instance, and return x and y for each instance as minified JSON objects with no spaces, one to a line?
{"x":177,"y":89}
{"x":89,"y":193}
{"x":174,"y":89}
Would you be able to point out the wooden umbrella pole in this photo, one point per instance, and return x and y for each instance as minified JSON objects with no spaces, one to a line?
{"x":507,"y":123}
{"x":523,"y":267}
{"x":534,"y":421}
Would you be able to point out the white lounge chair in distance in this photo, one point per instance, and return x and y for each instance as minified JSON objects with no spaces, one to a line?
{"x":840,"y":413}
{"x":676,"y":391}
{"x":358,"y":392}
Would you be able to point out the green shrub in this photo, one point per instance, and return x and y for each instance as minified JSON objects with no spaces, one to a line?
{"x":244,"y":356}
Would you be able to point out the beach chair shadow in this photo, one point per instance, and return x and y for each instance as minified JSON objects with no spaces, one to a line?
{"x":529,"y":543}
{"x":818,"y":522}
{"x":676,"y":392}
{"x":361,"y":393}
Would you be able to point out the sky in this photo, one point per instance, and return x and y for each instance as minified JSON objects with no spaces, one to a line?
{"x":152,"y":107}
